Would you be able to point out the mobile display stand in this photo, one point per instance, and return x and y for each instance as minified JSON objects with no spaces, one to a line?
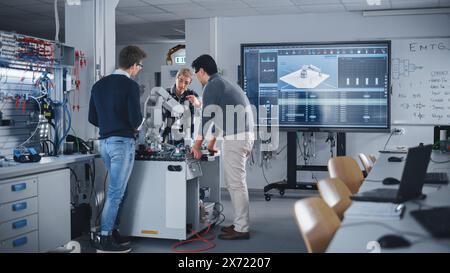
{"x":292,"y":167}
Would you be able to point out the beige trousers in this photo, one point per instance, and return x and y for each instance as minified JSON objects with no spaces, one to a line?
{"x":235,"y":153}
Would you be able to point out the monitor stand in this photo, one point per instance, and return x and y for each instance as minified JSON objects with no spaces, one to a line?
{"x":292,"y":167}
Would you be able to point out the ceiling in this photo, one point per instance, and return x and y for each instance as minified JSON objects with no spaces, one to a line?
{"x":148,"y":21}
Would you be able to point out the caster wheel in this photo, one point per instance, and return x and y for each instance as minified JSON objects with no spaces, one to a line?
{"x":282,"y":192}
{"x":267,"y":197}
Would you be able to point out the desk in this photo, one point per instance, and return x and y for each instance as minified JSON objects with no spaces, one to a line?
{"x":50,"y":163}
{"x":35,"y":204}
{"x":359,"y":235}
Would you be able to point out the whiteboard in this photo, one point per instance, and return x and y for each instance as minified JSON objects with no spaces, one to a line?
{"x":420,"y":73}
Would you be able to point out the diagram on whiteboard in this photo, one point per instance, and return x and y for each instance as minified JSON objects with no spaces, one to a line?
{"x":309,"y":76}
{"x":421,"y":81}
{"x":403,"y":68}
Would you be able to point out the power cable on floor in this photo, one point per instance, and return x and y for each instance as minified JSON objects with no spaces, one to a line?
{"x":220,"y":213}
{"x":197,"y":237}
{"x":210,"y":244}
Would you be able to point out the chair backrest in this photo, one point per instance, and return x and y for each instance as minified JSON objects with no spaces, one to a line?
{"x":317,"y":223}
{"x":366,"y":162}
{"x":346,"y":169}
{"x":336,"y":194}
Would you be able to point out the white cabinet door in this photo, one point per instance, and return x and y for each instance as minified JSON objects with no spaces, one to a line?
{"x":54,"y":209}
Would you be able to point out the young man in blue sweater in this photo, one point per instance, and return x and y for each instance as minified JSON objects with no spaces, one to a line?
{"x":114,"y":107}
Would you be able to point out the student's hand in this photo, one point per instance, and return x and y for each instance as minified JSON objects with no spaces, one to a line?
{"x":193,"y":99}
{"x":212,"y":149}
{"x":196,"y":153}
{"x":211,"y":146}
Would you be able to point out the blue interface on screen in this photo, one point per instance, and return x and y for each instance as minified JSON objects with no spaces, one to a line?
{"x":334,"y":86}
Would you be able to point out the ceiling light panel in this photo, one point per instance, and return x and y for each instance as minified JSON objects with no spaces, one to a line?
{"x":316,"y":2}
{"x":159,"y":2}
{"x":414,"y":4}
{"x":221,"y":5}
{"x":322,"y":8}
{"x":131,"y":3}
{"x":141,"y":10}
{"x":269,"y":3}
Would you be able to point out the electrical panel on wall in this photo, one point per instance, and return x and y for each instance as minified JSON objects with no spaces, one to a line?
{"x":30,"y":53}
{"x":35,"y":79}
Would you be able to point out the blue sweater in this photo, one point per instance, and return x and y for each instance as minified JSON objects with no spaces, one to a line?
{"x":114,"y":106}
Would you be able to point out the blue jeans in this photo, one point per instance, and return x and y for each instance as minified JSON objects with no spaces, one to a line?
{"x":118,"y":155}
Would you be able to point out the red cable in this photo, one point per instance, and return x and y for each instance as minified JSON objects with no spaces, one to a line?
{"x":74,"y":73}
{"x":17,"y":102}
{"x":199,"y":238}
{"x":78,"y":65}
{"x":24,"y":106}
{"x":52,"y":61}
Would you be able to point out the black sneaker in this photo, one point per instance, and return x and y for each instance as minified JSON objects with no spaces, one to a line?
{"x":120,"y":239}
{"x":108,"y":245}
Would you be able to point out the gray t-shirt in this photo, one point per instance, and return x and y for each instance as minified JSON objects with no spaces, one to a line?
{"x":228,"y":105}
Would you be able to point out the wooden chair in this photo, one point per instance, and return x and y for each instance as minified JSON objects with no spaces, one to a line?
{"x":366,"y":162}
{"x":317,"y":223}
{"x":346,"y":169}
{"x":336,"y":194}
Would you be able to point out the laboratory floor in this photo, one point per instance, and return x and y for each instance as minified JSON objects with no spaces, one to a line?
{"x":273,"y":229}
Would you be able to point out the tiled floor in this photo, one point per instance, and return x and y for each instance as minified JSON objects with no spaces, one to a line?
{"x":273,"y":229}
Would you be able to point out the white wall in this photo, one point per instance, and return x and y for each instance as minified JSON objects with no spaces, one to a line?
{"x":91,"y":32}
{"x":202,"y":40}
{"x":156,"y":56}
{"x":231,"y":32}
{"x":82,"y":40}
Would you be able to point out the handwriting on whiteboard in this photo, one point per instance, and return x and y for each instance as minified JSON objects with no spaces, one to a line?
{"x":417,"y":47}
{"x":432,"y":97}
{"x":420,"y":73}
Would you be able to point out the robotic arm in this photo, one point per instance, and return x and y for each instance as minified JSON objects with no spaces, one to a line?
{"x":153,"y":106}
{"x":175,"y":108}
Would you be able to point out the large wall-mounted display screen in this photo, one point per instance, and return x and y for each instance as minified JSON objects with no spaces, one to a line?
{"x":319,"y":86}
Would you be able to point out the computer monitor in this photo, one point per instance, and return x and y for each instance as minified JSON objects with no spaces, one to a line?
{"x":412,"y":181}
{"x":339,"y":86}
{"x":414,"y":172}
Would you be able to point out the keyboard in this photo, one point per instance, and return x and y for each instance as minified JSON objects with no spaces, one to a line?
{"x":436,"y":178}
{"x":396,"y":151}
{"x":436,"y":220}
{"x":377,"y":195}
{"x":372,"y":210}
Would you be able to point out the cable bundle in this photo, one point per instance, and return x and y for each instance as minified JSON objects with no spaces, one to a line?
{"x":197,"y":237}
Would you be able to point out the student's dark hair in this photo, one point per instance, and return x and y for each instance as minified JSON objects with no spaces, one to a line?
{"x":206,"y":62}
{"x":130,"y":55}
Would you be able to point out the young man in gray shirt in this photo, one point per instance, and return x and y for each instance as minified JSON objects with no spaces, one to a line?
{"x":226,"y":106}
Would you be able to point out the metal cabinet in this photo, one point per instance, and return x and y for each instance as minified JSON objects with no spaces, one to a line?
{"x":54,"y":209}
{"x":18,"y":215}
{"x":163,"y":198}
{"x":24,"y":243}
{"x":35,"y":212}
{"x":18,"y":208}
{"x":18,"y":189}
